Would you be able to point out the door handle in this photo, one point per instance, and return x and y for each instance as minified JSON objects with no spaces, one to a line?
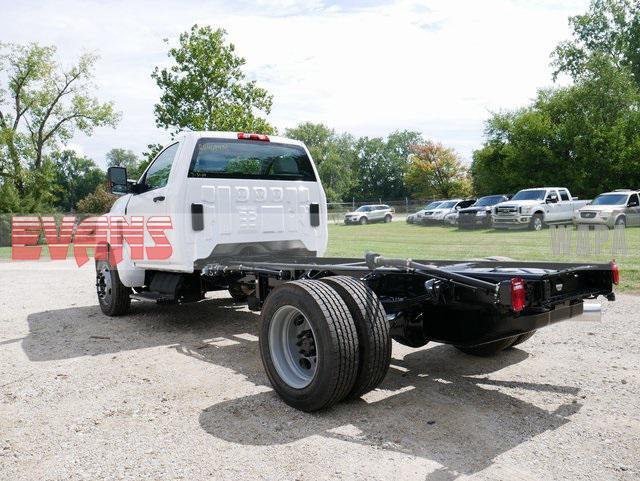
{"x":160,"y":198}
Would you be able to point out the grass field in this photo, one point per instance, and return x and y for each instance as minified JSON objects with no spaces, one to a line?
{"x":399,"y":239}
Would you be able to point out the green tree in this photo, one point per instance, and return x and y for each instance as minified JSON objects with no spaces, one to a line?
{"x":128,"y":159}
{"x":41,"y":108}
{"x":334,"y":155}
{"x":585,"y":136}
{"x":206,"y":89}
{"x":98,"y":202}
{"x":436,"y":171}
{"x":381,"y":164}
{"x":610,"y":30}
{"x":76,"y":177}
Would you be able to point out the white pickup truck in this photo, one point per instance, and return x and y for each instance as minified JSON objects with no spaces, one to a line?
{"x":247,"y":213}
{"x":533,"y":208}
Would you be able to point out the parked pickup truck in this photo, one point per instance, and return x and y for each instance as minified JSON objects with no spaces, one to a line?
{"x":533,"y":208}
{"x":247,"y":213}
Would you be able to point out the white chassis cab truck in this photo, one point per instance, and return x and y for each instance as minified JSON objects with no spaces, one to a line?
{"x":247,"y":213}
{"x":533,"y":208}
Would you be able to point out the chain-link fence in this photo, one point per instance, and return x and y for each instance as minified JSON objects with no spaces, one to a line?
{"x":337,"y":210}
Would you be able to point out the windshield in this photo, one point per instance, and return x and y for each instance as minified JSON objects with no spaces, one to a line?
{"x":488,"y":200}
{"x":448,"y":205}
{"x":610,"y":199}
{"x":530,"y":195}
{"x":249,"y":159}
{"x":432,"y":205}
{"x":364,"y":208}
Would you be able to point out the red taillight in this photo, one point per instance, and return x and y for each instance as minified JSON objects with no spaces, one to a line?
{"x":518,"y":294}
{"x":262,"y":137}
{"x":615,"y":272}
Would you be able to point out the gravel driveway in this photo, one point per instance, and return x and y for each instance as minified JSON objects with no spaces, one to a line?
{"x":179,"y":393}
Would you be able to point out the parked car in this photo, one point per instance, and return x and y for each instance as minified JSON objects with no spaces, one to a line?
{"x":618,"y":208}
{"x":369,"y":213}
{"x":533,"y":208}
{"x":437,"y":215}
{"x":414,"y":218}
{"x":479,"y":214}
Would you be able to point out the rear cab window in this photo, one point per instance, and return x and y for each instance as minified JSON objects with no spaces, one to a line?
{"x":249,"y":159}
{"x":564,"y":194}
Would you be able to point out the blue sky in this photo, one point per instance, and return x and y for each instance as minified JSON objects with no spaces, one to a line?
{"x":368,"y":67}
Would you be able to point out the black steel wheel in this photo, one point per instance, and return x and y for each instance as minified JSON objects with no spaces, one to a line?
{"x":308,"y":344}
{"x":373,"y":332}
{"x":113,"y":295}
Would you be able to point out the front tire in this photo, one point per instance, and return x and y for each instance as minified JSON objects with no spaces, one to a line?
{"x":621,"y":223}
{"x":309,"y":344}
{"x":363,"y":221}
{"x":113,"y":295}
{"x":373,"y":332}
{"x":237,"y":293}
{"x":387,"y":219}
{"x":536,"y":223}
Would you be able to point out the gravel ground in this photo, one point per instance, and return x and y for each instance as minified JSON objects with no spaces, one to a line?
{"x":179,"y":393}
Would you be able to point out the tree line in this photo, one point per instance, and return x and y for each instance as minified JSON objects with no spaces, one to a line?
{"x":585,"y":136}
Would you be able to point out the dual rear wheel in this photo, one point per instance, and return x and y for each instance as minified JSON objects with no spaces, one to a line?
{"x":323,"y":341}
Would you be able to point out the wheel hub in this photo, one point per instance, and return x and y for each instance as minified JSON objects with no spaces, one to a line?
{"x":292,"y":346}
{"x":103,"y":283}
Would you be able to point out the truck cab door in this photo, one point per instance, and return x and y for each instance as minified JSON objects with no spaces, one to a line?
{"x":633,"y":210}
{"x":153,"y":203}
{"x":553,"y":206}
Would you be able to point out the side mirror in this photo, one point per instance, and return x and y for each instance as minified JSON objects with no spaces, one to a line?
{"x":117,"y":177}
{"x":458,"y":207}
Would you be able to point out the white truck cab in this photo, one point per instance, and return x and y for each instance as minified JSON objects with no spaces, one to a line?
{"x":533,"y":208}
{"x":224,"y":194}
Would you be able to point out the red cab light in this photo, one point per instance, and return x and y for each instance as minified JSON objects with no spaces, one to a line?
{"x":615,"y":272}
{"x":245,"y":136}
{"x":518,"y":294}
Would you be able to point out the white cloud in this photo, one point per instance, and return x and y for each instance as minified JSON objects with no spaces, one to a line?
{"x":365,"y":67}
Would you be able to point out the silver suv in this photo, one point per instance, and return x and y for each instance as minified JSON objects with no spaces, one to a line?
{"x":617,"y":208}
{"x":369,"y":213}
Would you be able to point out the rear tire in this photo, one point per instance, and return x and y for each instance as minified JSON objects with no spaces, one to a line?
{"x":373,"y":332}
{"x":113,"y":295}
{"x":317,"y":367}
{"x":387,"y":219}
{"x":489,"y":349}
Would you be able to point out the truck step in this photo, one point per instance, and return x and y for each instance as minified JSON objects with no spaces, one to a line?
{"x":153,"y":296}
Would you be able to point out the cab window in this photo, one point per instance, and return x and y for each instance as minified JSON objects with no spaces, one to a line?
{"x":564,"y":195}
{"x":157,"y":174}
{"x":634,"y":201}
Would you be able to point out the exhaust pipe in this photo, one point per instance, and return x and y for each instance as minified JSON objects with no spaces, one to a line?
{"x":591,"y":312}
